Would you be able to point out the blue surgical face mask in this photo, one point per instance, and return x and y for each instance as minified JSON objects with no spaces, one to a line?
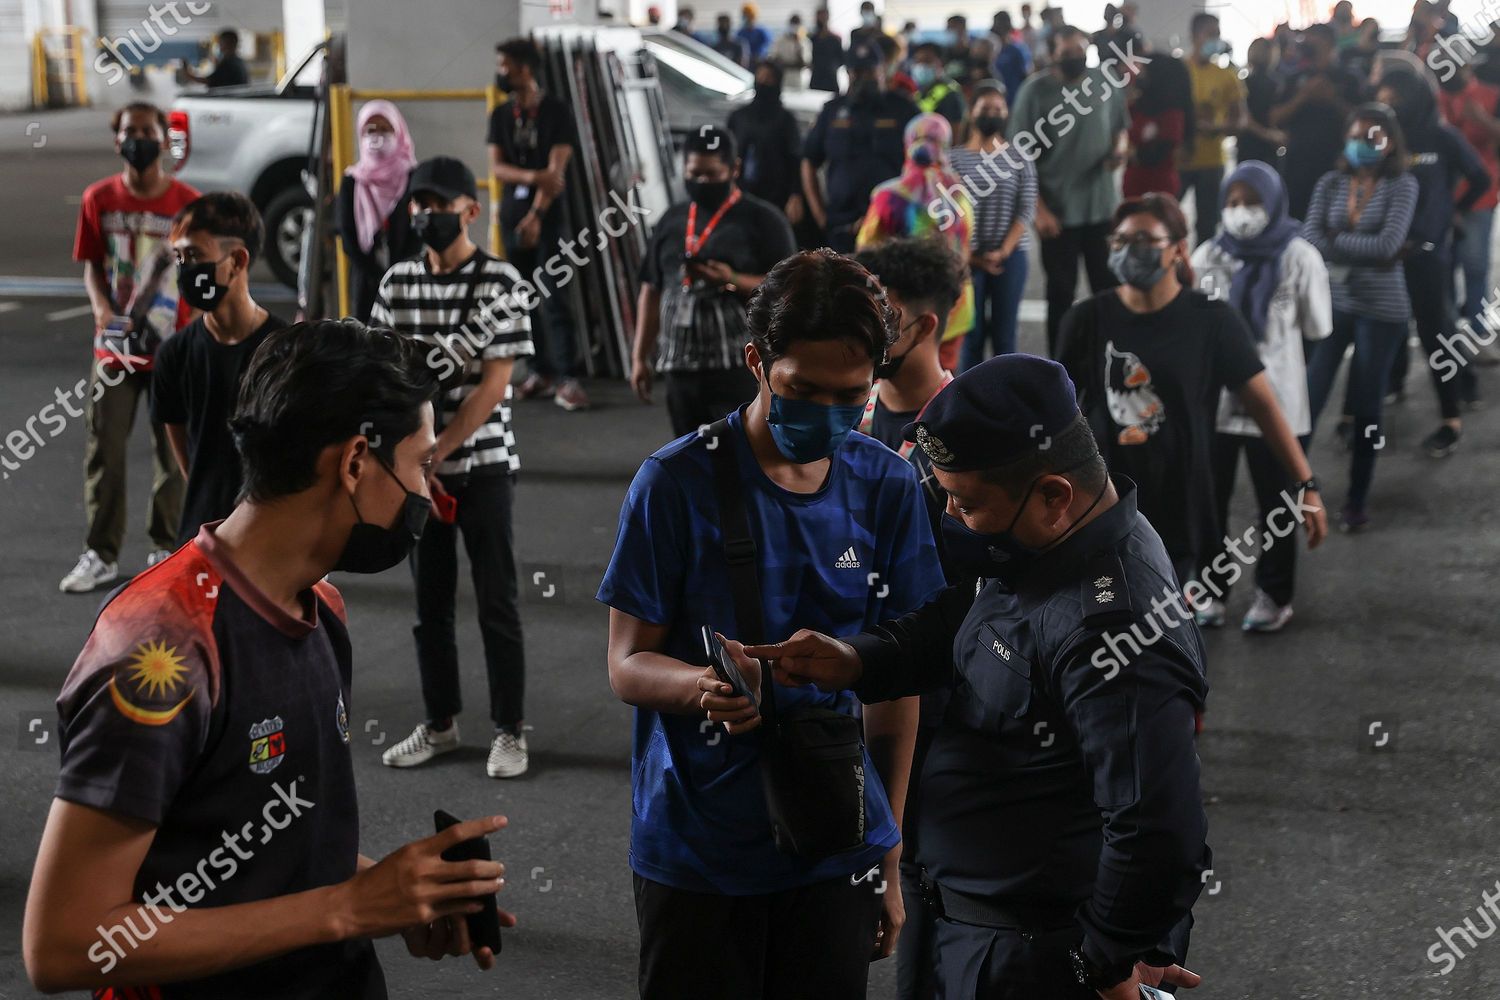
{"x":923,"y":75}
{"x":1212,"y":48}
{"x":805,"y":431}
{"x":1360,"y":153}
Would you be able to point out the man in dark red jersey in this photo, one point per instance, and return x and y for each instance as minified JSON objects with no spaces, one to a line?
{"x":204,"y":835}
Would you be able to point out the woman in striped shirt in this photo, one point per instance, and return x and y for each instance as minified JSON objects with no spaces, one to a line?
{"x":1003,"y":188}
{"x":1358,"y":221}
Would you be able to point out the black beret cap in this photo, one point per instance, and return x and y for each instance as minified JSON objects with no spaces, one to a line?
{"x":995,"y":413}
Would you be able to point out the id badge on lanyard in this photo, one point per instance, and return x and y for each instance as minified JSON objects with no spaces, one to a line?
{"x":691,"y":245}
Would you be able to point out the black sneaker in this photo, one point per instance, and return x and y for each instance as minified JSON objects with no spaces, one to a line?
{"x":1441,"y":442}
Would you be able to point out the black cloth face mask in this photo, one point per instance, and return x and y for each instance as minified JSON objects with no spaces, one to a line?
{"x":372,"y":548}
{"x":437,"y":230}
{"x":140,"y":153}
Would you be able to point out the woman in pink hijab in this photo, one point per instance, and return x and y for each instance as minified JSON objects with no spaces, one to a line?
{"x":372,"y":217}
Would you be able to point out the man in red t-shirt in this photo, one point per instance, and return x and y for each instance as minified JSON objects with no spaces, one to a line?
{"x":1473,"y":108}
{"x":128,"y":269}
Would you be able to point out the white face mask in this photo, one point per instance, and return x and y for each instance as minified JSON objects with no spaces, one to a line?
{"x":1245,"y":222}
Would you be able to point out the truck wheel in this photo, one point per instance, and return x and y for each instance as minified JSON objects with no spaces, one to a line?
{"x":286,"y":216}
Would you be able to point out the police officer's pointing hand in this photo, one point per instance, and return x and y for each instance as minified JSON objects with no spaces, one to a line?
{"x":810,"y":657}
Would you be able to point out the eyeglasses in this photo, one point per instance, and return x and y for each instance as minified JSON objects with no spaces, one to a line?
{"x":1118,"y":241}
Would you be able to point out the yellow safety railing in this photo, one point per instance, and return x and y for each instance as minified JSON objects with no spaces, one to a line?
{"x":278,"y":55}
{"x":71,"y":57}
{"x":341,"y":98}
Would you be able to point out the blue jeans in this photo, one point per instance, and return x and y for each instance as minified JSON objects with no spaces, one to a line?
{"x":1473,"y":252}
{"x":1376,"y":344}
{"x":997,"y":302}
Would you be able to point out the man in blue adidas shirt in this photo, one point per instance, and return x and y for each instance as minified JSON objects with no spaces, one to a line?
{"x":842,"y":540}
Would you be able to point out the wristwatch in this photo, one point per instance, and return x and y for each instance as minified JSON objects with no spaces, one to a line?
{"x":1310,"y":483}
{"x":1093,"y":977}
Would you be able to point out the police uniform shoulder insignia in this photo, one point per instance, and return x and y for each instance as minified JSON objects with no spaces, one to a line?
{"x":1105,"y":595}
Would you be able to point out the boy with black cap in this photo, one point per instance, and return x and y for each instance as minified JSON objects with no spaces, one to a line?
{"x":471,"y":313}
{"x":1056,"y":716}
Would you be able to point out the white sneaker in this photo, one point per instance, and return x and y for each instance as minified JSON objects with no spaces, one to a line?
{"x":1265,"y":615}
{"x":1210,"y":614}
{"x":421,"y":746}
{"x":91,"y":572}
{"x":508,"y":757}
{"x":156,"y":555}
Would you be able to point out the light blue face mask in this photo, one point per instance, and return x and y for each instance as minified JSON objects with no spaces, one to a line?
{"x":805,"y":431}
{"x":923,"y":75}
{"x":1360,"y":153}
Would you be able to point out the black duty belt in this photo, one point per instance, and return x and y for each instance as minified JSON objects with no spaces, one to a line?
{"x":986,"y":911}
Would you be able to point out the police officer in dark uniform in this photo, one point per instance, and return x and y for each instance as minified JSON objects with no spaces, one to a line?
{"x":1061,"y":828}
{"x":859,"y":137}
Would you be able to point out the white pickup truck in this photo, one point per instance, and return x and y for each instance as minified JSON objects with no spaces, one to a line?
{"x":255,"y":139}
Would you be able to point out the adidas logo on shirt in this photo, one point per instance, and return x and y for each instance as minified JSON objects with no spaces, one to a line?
{"x":849,"y":560}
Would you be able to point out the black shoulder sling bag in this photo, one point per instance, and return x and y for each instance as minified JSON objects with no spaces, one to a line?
{"x":812,"y":760}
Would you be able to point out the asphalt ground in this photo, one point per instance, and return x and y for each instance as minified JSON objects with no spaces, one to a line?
{"x":1339,"y":851}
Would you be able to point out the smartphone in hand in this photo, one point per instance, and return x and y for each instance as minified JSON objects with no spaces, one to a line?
{"x":484,"y":926}
{"x":725,"y":668}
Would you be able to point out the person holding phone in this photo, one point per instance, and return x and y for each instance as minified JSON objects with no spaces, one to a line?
{"x":204,"y":836}
{"x":706,"y":256}
{"x":842,"y":542}
{"x":122,"y":241}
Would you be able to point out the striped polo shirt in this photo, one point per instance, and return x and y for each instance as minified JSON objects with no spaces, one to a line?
{"x":473,"y":314}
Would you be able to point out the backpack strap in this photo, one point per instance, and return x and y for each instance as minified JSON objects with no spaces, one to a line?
{"x":740,"y":550}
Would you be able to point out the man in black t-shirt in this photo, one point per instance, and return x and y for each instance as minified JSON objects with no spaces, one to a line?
{"x":922,"y":280}
{"x":531,"y":139}
{"x":705,"y":258}
{"x":827,"y":54}
{"x":770,"y":145}
{"x":206,"y":796}
{"x":229,"y":69}
{"x":196,"y":379}
{"x":1312,"y":111}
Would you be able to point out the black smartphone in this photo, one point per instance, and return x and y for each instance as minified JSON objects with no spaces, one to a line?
{"x":484,"y":926}
{"x":725,"y":667}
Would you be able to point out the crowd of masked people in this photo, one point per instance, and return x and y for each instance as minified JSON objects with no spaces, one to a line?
{"x":866,"y":274}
